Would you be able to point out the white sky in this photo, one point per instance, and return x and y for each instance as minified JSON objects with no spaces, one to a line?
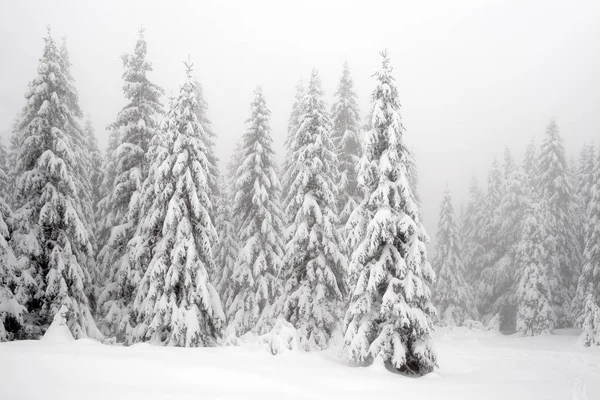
{"x":474,"y":76}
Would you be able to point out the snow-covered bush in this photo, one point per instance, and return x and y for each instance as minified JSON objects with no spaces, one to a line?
{"x":281,"y":338}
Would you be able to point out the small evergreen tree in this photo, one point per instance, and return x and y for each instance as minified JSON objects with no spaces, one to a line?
{"x":134,"y":128}
{"x":175,"y":303}
{"x":535,"y":314}
{"x":314,"y":265}
{"x":390,"y":313}
{"x":255,"y":279}
{"x":590,"y":335}
{"x":345,"y":134}
{"x":452,"y":295}
{"x":52,"y":240}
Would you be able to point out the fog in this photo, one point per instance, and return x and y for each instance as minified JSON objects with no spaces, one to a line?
{"x":473,"y":76}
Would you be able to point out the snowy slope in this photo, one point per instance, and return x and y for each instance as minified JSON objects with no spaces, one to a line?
{"x":473,"y":365}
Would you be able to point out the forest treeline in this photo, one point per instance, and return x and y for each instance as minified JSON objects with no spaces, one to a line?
{"x":151,"y":242}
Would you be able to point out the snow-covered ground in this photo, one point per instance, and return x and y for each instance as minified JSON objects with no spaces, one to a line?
{"x":473,"y":365}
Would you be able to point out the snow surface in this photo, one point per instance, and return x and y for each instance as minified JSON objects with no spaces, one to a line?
{"x":473,"y":365}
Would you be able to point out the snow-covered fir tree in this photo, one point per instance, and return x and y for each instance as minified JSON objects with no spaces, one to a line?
{"x":472,"y":228}
{"x":134,"y":128}
{"x":487,"y":289}
{"x":213,"y":175}
{"x":314,"y":265}
{"x":556,"y":200}
{"x":51,"y":238}
{"x":535,"y":314}
{"x":390,"y":313}
{"x":255,"y":279}
{"x":583,"y":183}
{"x":530,"y":168}
{"x":452,"y":296}
{"x":227,"y":246}
{"x":175,"y":303}
{"x":289,"y":141}
{"x":590,"y":324}
{"x":345,"y":134}
{"x":589,"y":281}
{"x":4,"y":171}
{"x":513,"y":202}
{"x":12,"y":295}
{"x":95,"y":172}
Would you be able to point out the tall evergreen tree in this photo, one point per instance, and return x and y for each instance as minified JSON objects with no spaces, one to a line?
{"x":488,"y":289}
{"x":314,"y":265}
{"x":135,"y":126}
{"x":213,"y":175}
{"x":452,"y":295}
{"x":535,"y":314}
{"x":227,"y":246}
{"x":390,"y":313}
{"x":175,"y":303}
{"x":345,"y":134}
{"x":51,"y":238}
{"x":583,"y":183}
{"x":472,"y":228}
{"x":255,"y":278}
{"x":589,"y":281}
{"x":95,"y":172}
{"x":289,"y":141}
{"x":557,"y":205}
{"x":530,"y":168}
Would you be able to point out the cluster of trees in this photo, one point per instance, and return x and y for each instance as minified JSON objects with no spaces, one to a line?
{"x":150,"y":242}
{"x":530,"y":244}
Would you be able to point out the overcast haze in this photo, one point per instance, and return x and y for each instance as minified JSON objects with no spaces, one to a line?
{"x":473,"y":76}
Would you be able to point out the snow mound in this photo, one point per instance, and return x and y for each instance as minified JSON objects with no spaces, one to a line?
{"x":58,"y":331}
{"x":281,"y":338}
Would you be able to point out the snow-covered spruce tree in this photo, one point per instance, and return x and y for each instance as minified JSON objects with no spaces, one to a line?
{"x":175,"y":303}
{"x":12,"y":296}
{"x":535,"y":314}
{"x":82,"y":150}
{"x":345,"y":134}
{"x":314,"y":265}
{"x":51,"y":239}
{"x":135,"y":126}
{"x":583,"y":183}
{"x":589,"y":281}
{"x":227,"y":246}
{"x":255,"y":280}
{"x":452,"y":295}
{"x":4,"y":172}
{"x":590,"y":335}
{"x":557,"y":204}
{"x":487,"y":289}
{"x":104,"y":215}
{"x":95,"y":172}
{"x":472,"y":229}
{"x":530,"y":168}
{"x":289,"y":141}
{"x":213,"y":170}
{"x":390,"y":313}
{"x":513,"y":202}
